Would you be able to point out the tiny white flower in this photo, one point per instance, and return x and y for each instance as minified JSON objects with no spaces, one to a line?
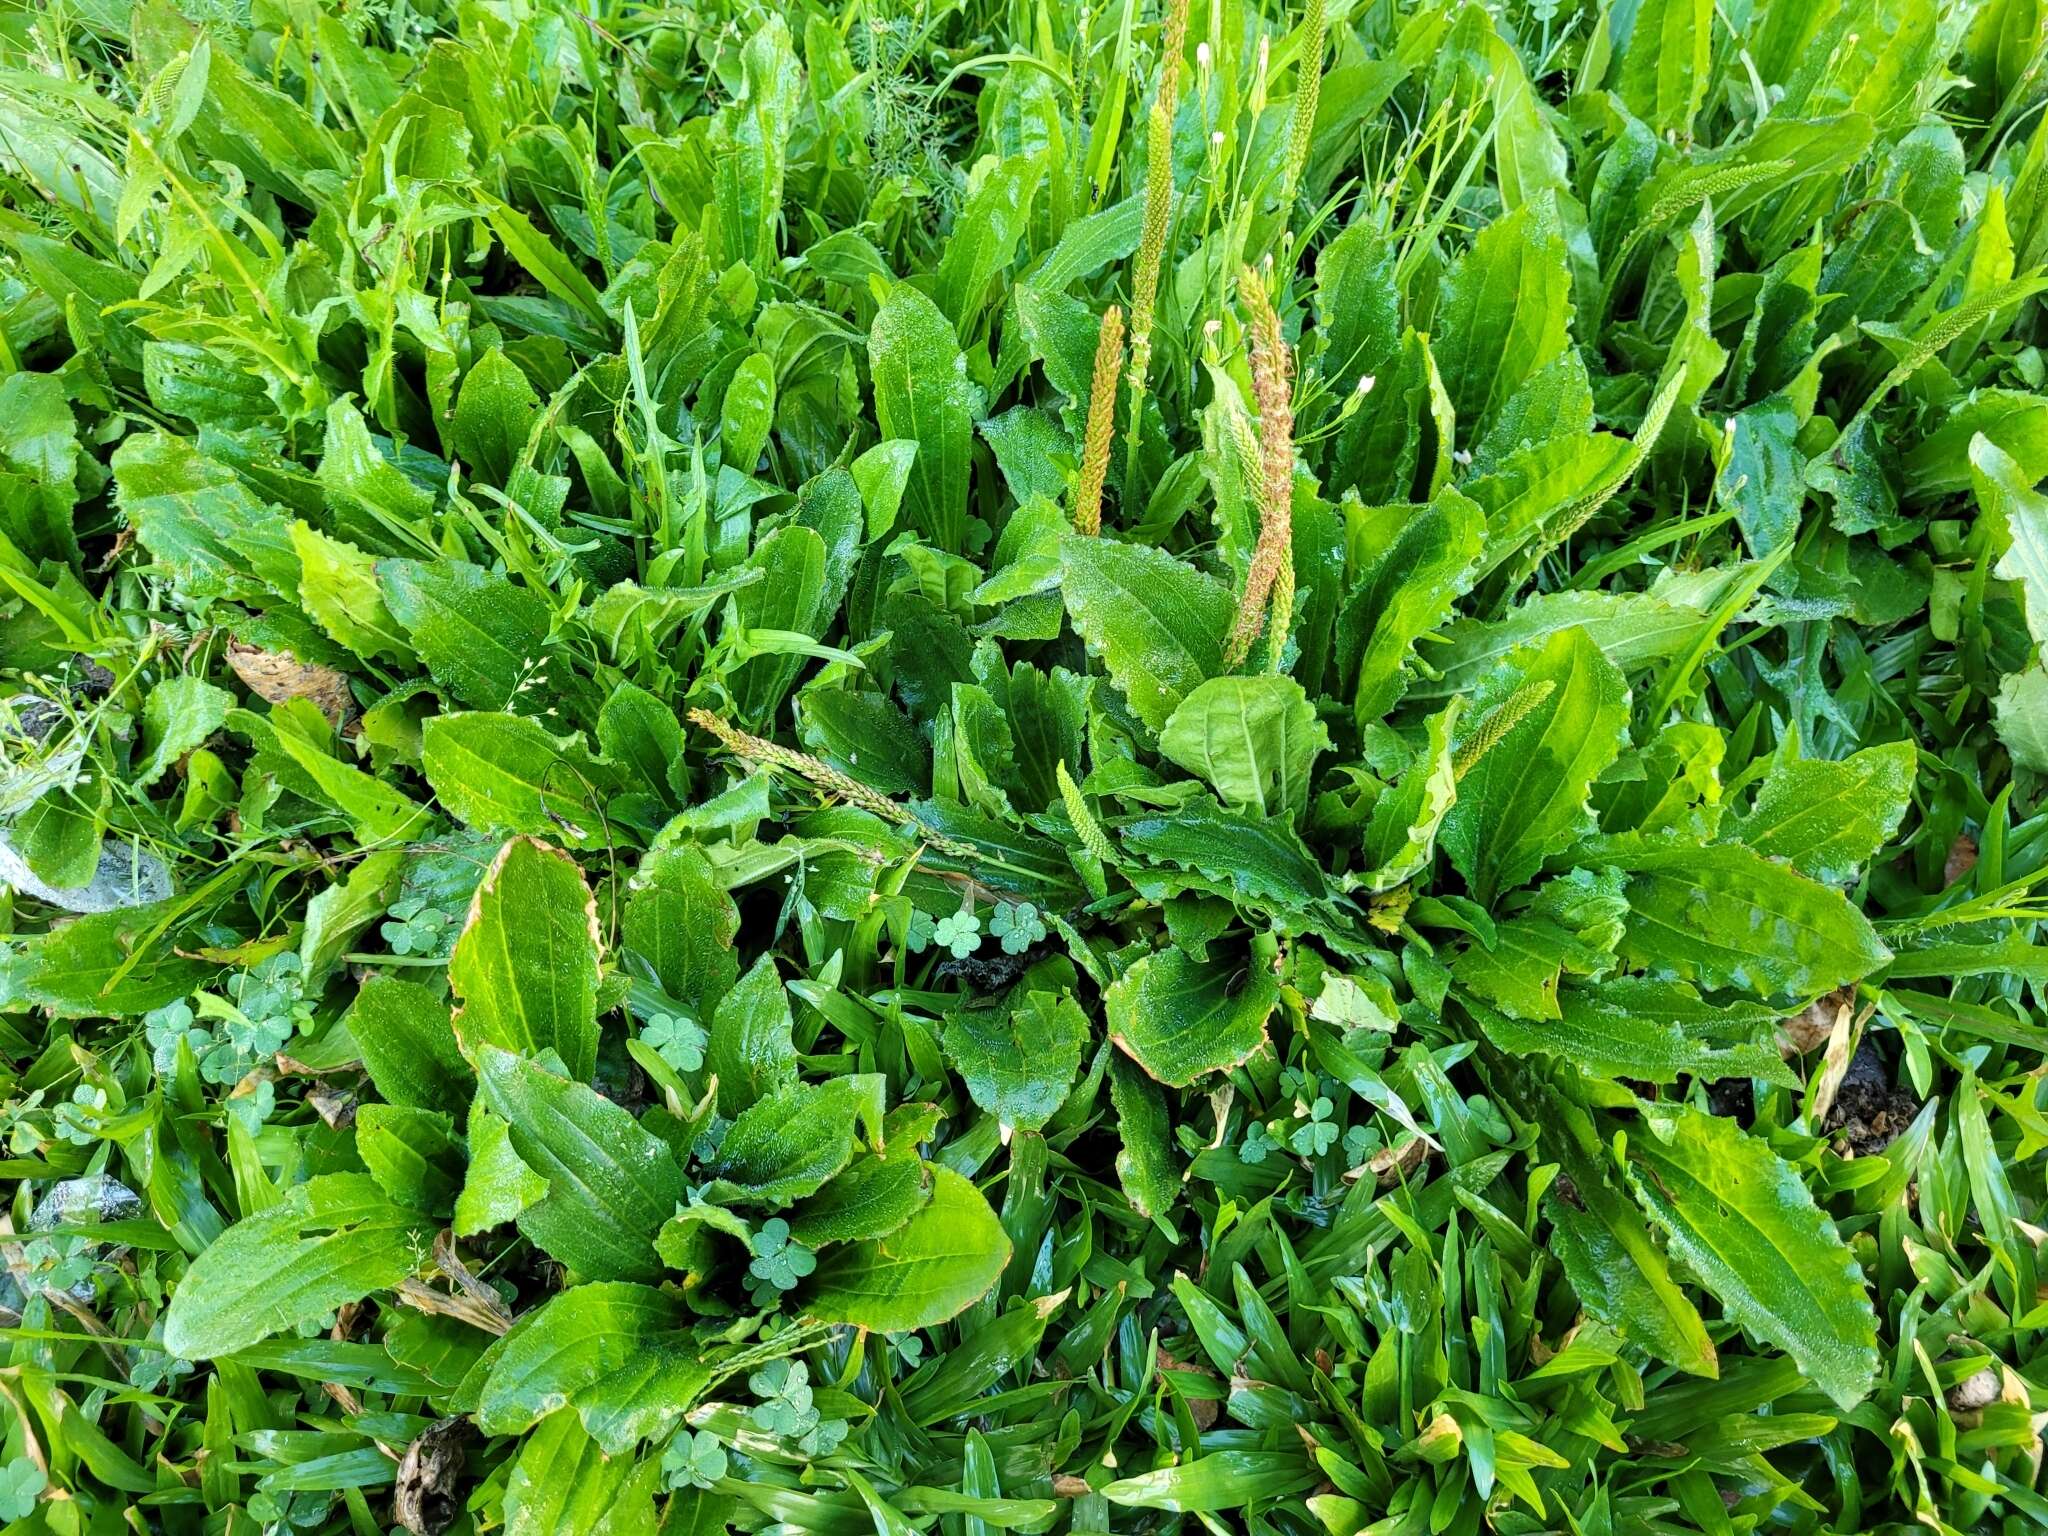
{"x":1365,"y":383}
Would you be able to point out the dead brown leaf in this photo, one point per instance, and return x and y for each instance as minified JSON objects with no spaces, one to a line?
{"x":276,"y":676}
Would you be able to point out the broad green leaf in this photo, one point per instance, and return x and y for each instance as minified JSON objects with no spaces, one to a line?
{"x":493,"y":418}
{"x":619,"y":1354}
{"x":1018,"y":1060}
{"x":505,"y":773}
{"x":1255,"y":739}
{"x":563,"y":1483}
{"x":878,"y":1192}
{"x":750,"y":1051}
{"x":38,"y":466}
{"x":680,"y":922}
{"x":200,"y":524}
{"x":642,"y":737}
{"x":376,"y":812}
{"x":1572,"y":926}
{"x":413,"y":1154}
{"x":1217,"y":1480}
{"x":498,"y":1185}
{"x":1358,"y":305}
{"x":790,"y":598}
{"x":611,"y":1184}
{"x":1400,"y":838}
{"x":1607,"y":1040}
{"x":1147,"y":1168}
{"x":542,"y":258}
{"x":1262,"y":857}
{"x":1408,"y":566}
{"x":1744,"y":1222}
{"x":1157,"y":623}
{"x":408,"y":1045}
{"x":1726,"y":916}
{"x":1828,"y":819}
{"x":480,"y":636}
{"x":1507,"y":311}
{"x":1181,"y":1019}
{"x":2018,"y":515}
{"x":1633,"y":630}
{"x":1662,"y":65}
{"x":338,"y":589}
{"x":104,"y":965}
{"x":180,"y":713}
{"x":2022,"y":712}
{"x":372,"y":502}
{"x":1526,"y":798}
{"x":863,"y":734}
{"x":786,"y":1144}
{"x":747,"y":412}
{"x":923,"y":395}
{"x":1614,"y":1264}
{"x":939,"y":1263}
{"x":749,"y":146}
{"x":338,"y":915}
{"x":331,"y":1240}
{"x":984,"y":236}
{"x":525,"y":965}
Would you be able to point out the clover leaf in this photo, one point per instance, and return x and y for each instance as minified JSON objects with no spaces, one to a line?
{"x":679,"y":1042}
{"x":694,"y":1459}
{"x":1018,"y":925}
{"x":960,"y":933}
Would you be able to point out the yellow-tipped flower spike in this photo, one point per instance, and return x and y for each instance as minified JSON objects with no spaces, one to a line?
{"x":1307,"y":91}
{"x":1109,"y":361}
{"x":1272,"y":568}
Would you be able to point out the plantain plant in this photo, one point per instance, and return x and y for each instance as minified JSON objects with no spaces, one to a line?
{"x":1047,"y":767}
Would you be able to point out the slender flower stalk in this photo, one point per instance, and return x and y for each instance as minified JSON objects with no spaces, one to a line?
{"x":1151,"y":251}
{"x":824,"y":776}
{"x":1308,"y":89}
{"x":1271,"y":574}
{"x":1109,"y":361}
{"x":1171,"y":46}
{"x":1158,"y":214}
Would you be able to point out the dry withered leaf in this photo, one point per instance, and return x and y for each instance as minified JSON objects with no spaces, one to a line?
{"x":1962,"y":858}
{"x":1809,"y":1029}
{"x":426,"y":1501}
{"x":276,"y":676}
{"x":1390,"y":1165}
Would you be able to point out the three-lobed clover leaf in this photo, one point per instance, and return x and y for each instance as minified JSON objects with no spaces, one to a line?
{"x":164,"y":1028}
{"x":415,"y":927}
{"x":960,"y":933}
{"x":779,"y":1261}
{"x":694,"y":1459}
{"x":78,"y":1117}
{"x":1320,"y":1132}
{"x":785,"y":1409}
{"x":918,"y":936}
{"x":21,"y":1482}
{"x":1018,"y":925}
{"x":1257,"y":1143}
{"x":679,"y":1042}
